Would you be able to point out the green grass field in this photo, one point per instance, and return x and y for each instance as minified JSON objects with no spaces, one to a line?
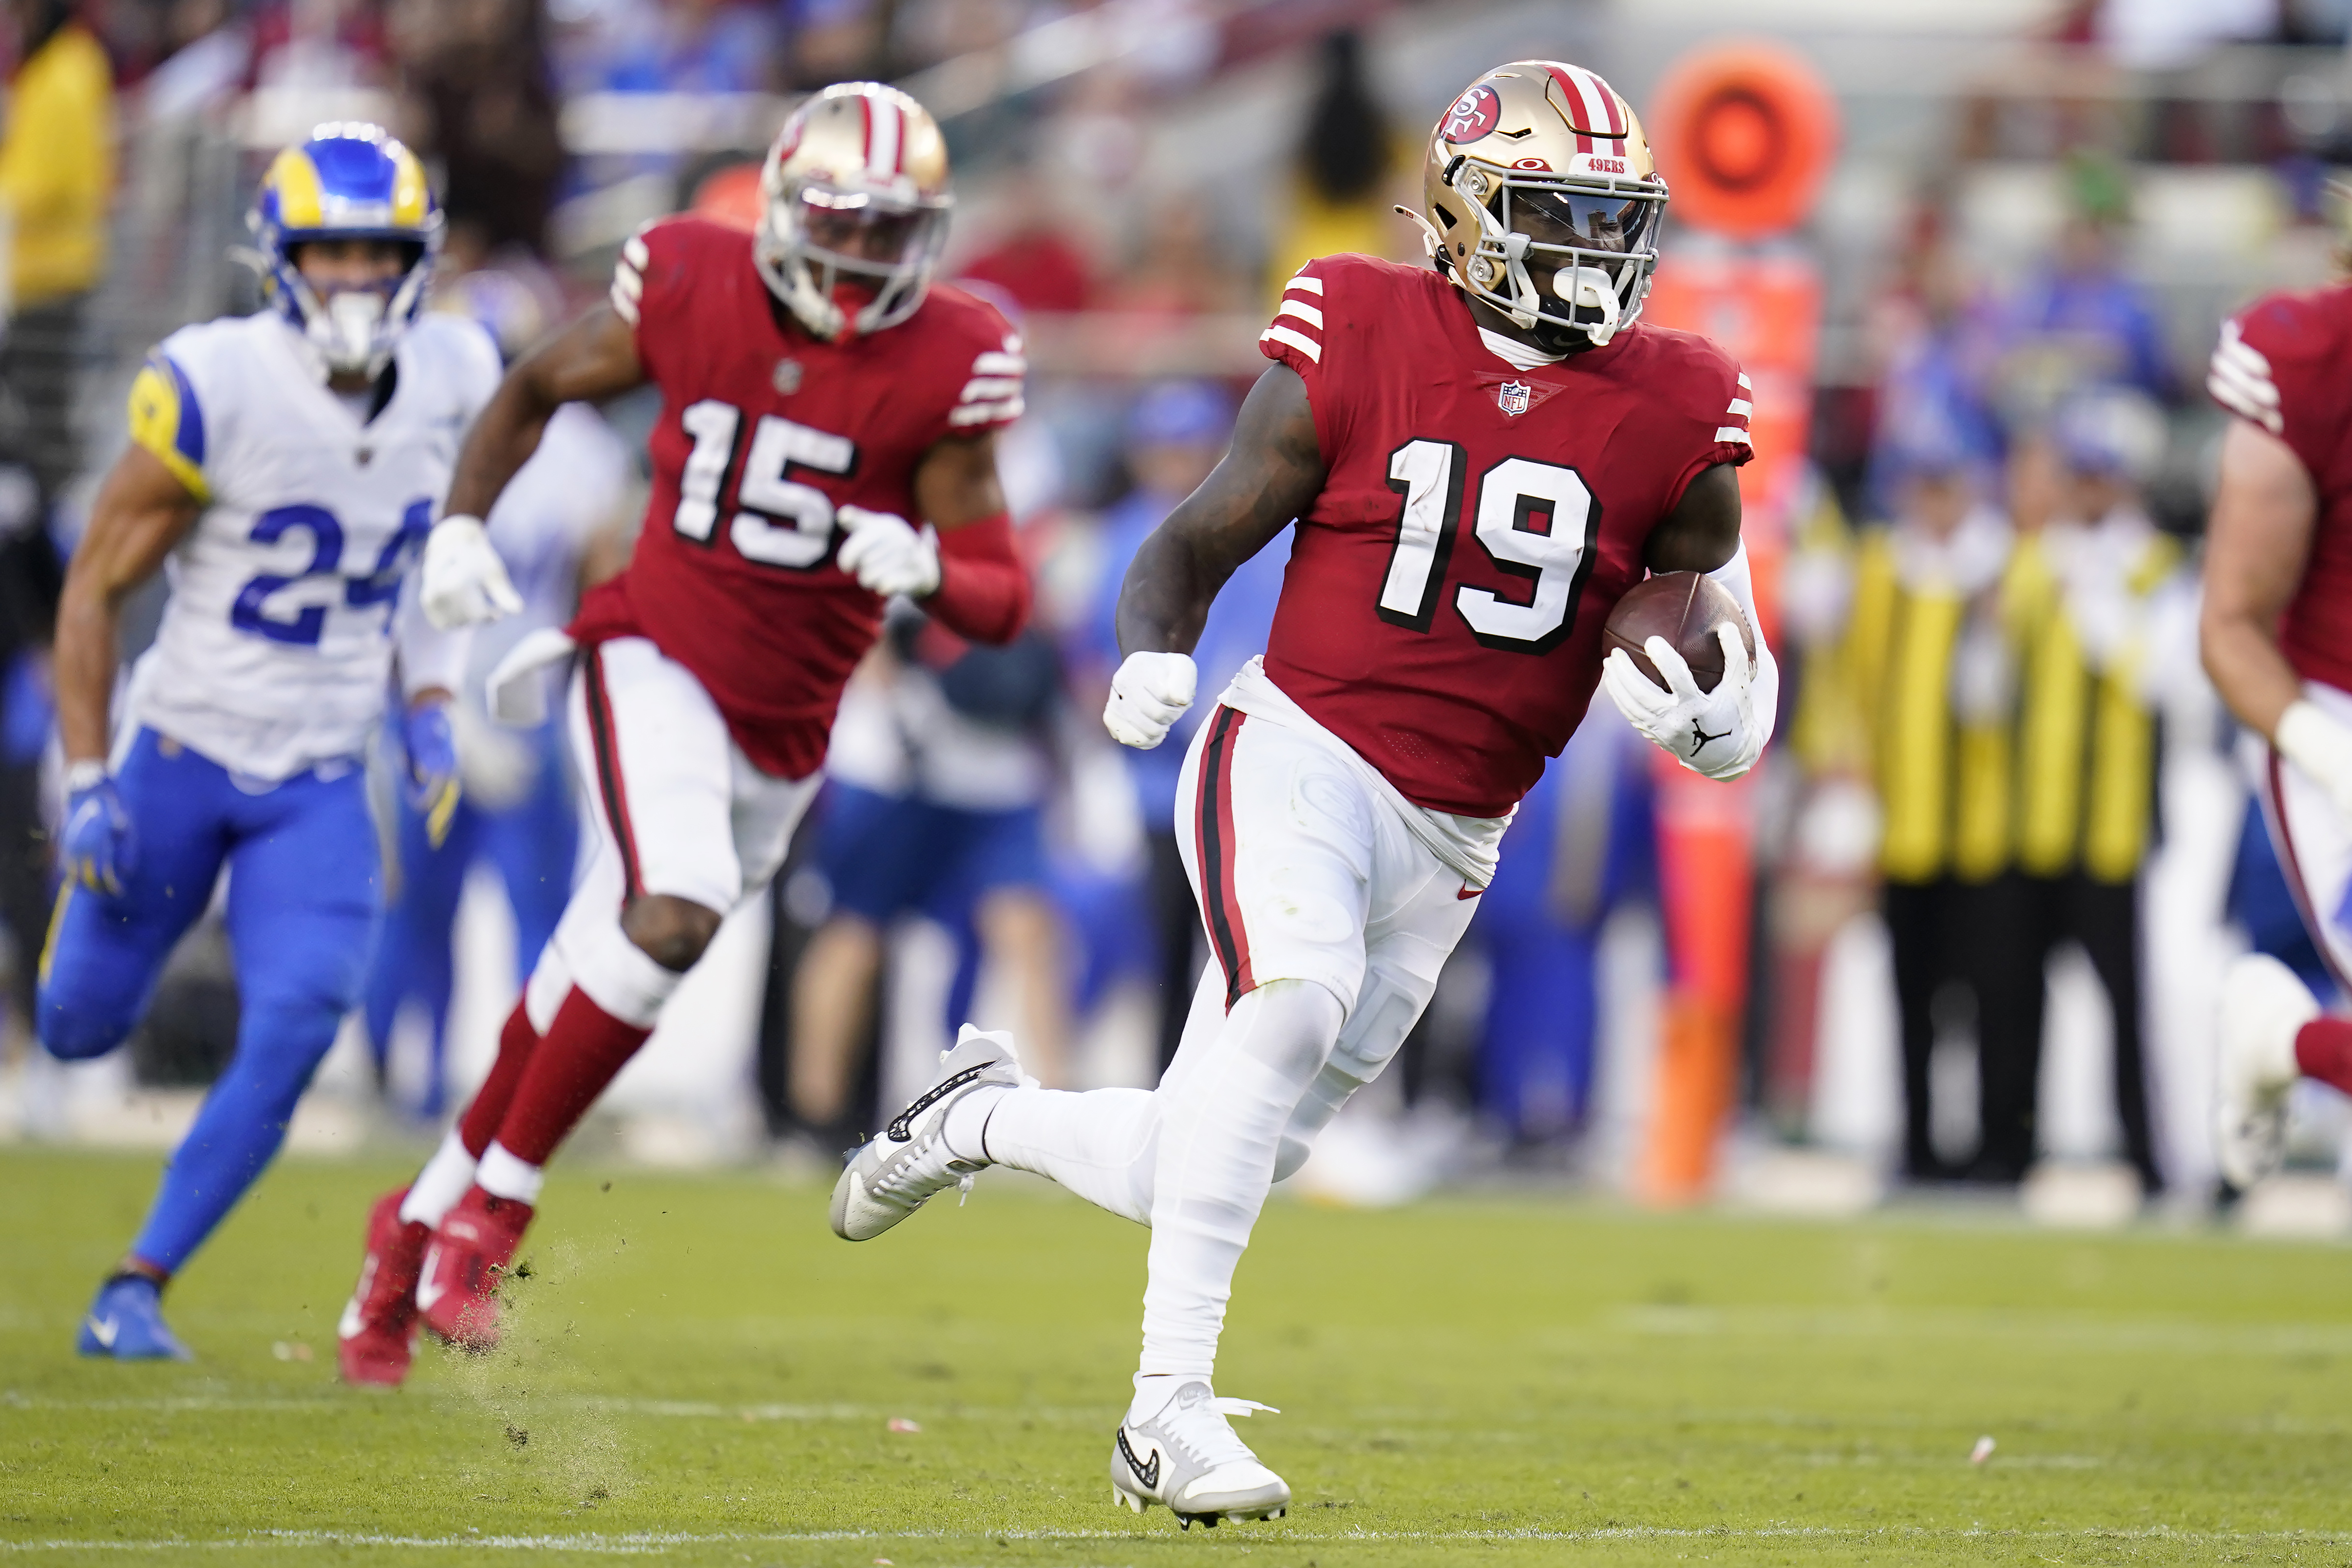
{"x":701,"y":1373}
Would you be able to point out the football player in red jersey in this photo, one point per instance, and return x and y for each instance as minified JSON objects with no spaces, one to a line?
{"x":1482,"y":456}
{"x":2277,"y":638}
{"x":823,"y":402}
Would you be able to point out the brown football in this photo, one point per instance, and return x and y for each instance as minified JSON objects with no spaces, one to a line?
{"x":1685,"y":608}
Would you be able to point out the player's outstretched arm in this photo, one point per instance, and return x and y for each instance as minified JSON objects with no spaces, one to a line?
{"x":1269,"y":476}
{"x":1702,"y":533}
{"x":964,"y":570}
{"x":462,"y":580}
{"x":143,"y":509}
{"x":2256,"y":546}
{"x":2257,"y":542}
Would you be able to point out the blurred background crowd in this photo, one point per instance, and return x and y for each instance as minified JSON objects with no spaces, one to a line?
{"x":1961,"y":933}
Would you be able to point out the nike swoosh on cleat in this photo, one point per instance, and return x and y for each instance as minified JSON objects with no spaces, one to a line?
{"x":1468,"y":892}
{"x":104,"y":1331}
{"x":428,"y":1290}
{"x":901,"y":1130}
{"x":1148,"y":1474}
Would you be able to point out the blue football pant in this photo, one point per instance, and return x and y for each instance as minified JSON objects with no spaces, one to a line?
{"x":302,"y":899}
{"x":535,"y":845}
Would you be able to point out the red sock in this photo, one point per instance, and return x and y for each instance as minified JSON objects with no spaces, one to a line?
{"x":479,"y":1123}
{"x":581,"y":1051}
{"x":2323,"y":1049}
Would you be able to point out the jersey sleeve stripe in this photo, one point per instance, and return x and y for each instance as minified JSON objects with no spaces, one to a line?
{"x":624,"y":306}
{"x":1745,"y":384}
{"x":1733,"y":433}
{"x":986,"y":389}
{"x":2259,"y":389}
{"x":1305,"y":283}
{"x":1003,"y":412}
{"x":1298,"y":341}
{"x":1741,"y":406}
{"x":2234,"y":397}
{"x":993,"y":364}
{"x":1304,"y":311}
{"x":166,"y":419}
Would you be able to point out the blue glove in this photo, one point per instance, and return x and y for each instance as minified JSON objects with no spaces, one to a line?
{"x":432,"y":748}
{"x":96,"y":847}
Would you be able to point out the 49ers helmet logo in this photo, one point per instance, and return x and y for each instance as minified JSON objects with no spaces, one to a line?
{"x":1474,"y":114}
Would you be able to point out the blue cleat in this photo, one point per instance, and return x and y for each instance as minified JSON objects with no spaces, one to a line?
{"x":126,"y":1321}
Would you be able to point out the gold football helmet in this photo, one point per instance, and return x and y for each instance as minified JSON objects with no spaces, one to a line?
{"x":1540,"y":198}
{"x":854,"y":209}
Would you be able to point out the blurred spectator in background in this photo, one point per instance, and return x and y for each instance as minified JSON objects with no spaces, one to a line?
{"x":936,"y":786}
{"x":1583,"y":841}
{"x":1339,"y":198}
{"x":1928,"y":650}
{"x":2082,"y":321}
{"x":57,"y":173}
{"x":558,"y":529}
{"x":2077,"y":598}
{"x":1175,"y":435}
{"x":692,"y":45}
{"x":1937,"y":342}
{"x":479,"y":81}
{"x":1029,"y":253}
{"x":311,"y":44}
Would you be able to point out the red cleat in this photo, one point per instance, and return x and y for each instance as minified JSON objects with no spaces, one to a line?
{"x":464,"y":1262}
{"x":378,"y":1331}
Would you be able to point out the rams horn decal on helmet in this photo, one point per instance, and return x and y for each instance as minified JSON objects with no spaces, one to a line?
{"x":350,"y":181}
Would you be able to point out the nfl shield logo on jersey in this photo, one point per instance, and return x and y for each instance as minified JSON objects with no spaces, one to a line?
{"x":1512,"y":397}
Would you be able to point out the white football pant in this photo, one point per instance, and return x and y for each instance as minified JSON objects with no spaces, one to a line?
{"x":2313,"y":841}
{"x":1329,"y":922}
{"x":675,"y":809}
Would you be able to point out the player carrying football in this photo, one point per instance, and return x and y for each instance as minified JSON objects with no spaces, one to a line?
{"x":1482,"y":457}
{"x":817,"y":393}
{"x":283,"y":468}
{"x":2277,"y":638}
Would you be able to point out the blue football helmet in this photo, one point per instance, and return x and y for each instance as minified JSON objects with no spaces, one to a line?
{"x":348,"y":181}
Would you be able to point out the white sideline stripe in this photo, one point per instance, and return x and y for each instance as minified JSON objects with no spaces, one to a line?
{"x":1278,"y":333}
{"x":1304,"y":311}
{"x":1733,"y":433}
{"x":1312,"y":285}
{"x":650,"y":1543}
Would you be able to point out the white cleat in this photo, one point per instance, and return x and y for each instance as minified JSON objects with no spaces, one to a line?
{"x":1188,"y":1458}
{"x":902,"y":1165}
{"x":2264,"y":1004}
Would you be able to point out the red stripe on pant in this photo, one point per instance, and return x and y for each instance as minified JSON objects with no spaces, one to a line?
{"x":2293,"y":868}
{"x":1213,"y":825}
{"x":606,"y":743}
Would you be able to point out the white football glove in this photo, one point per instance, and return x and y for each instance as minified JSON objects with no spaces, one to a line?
{"x":1718,"y":733}
{"x":2320,"y":744}
{"x":888,"y":555}
{"x":462,"y":581}
{"x":1147,"y":695}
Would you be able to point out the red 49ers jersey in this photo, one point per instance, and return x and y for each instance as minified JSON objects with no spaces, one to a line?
{"x":768,"y":438}
{"x":1443,"y":607}
{"x":2283,"y":364}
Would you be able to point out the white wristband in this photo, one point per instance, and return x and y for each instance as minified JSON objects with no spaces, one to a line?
{"x":84,"y":775}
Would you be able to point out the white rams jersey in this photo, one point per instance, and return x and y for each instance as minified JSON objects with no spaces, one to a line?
{"x":276,"y":647}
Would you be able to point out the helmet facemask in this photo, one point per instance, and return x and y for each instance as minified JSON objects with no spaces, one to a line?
{"x":354,"y":330}
{"x":1566,"y":258}
{"x":847,"y":261}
